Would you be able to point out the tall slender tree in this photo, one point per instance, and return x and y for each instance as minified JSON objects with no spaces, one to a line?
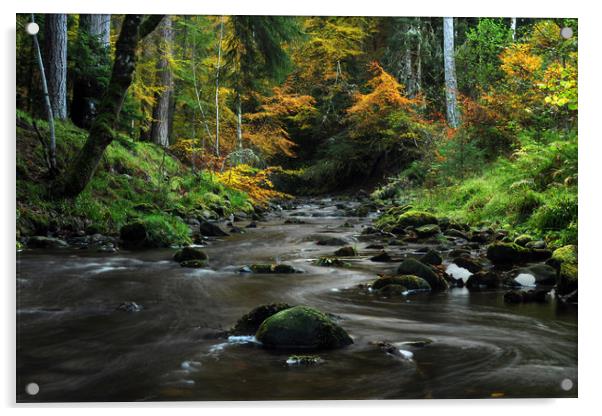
{"x":55,"y":36}
{"x":102,"y":132}
{"x":451,"y":85}
{"x":160,"y":123}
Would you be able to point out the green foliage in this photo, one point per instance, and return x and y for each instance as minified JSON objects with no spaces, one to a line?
{"x":477,"y":62}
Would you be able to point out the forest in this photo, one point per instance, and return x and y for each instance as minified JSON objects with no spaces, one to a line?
{"x":452,"y":141}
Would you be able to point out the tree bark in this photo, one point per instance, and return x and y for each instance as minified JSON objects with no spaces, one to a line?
{"x":160,"y":124}
{"x":94,"y":34}
{"x":451,"y":86}
{"x":133,"y":30}
{"x":219,"y":60}
{"x":513,"y":27}
{"x":238,"y":121}
{"x":56,"y":62}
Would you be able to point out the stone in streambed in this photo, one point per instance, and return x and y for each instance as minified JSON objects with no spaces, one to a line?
{"x":408,"y":281}
{"x":468,"y":263}
{"x":194,"y":264}
{"x":302,"y":327}
{"x":416,"y":219}
{"x":484,"y":280}
{"x":414,"y":267}
{"x":38,"y":241}
{"x":209,"y":229}
{"x":507,"y":253}
{"x":431,"y":257}
{"x":382,"y":257}
{"x":273,"y":268}
{"x":190,"y":253}
{"x":250,"y":323}
{"x":346,"y":251}
{"x":428,"y":230}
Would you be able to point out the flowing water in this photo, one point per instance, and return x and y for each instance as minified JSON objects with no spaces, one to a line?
{"x":75,"y":344}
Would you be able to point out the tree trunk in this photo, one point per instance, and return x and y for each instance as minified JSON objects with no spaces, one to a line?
{"x":238,"y":121}
{"x":94,"y":34}
{"x":513,"y":27}
{"x":451,"y":86}
{"x":219,"y":60}
{"x":102,"y":131}
{"x":160,"y":124}
{"x":56,"y":62}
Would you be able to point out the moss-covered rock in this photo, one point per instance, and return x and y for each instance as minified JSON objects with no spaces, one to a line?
{"x":523,"y":239}
{"x":410,"y":282}
{"x":392,"y":290}
{"x":565,"y":254}
{"x":416,"y":219}
{"x":431,"y":257}
{"x":427,"y":230}
{"x":507,"y":253}
{"x":190,"y":253}
{"x":414,"y":267}
{"x":302,"y":327}
{"x":346,"y":251}
{"x":250,"y":322}
{"x":564,"y":260}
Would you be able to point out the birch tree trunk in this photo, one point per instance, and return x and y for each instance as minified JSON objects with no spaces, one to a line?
{"x":238,"y":121}
{"x":94,"y":34}
{"x":102,"y":132}
{"x":451,"y":86}
{"x":160,"y":124}
{"x":56,"y":62}
{"x":513,"y":27}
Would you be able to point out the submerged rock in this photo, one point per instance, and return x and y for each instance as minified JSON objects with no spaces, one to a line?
{"x":409,"y":282}
{"x":383,"y":257}
{"x":519,"y":296}
{"x":190,"y":253}
{"x":194,"y":264}
{"x":484,"y":280}
{"x":129,"y":307}
{"x":302,"y":327}
{"x":250,"y":322}
{"x":414,"y":267}
{"x":331,"y":261}
{"x":273,"y":268}
{"x":346,"y":251}
{"x":327,"y":240}
{"x":38,"y":241}
{"x":304,"y":360}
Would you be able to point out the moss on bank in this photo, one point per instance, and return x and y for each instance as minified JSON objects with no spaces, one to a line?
{"x":135,"y":181}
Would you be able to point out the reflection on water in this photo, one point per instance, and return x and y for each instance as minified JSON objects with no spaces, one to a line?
{"x":75,"y":344}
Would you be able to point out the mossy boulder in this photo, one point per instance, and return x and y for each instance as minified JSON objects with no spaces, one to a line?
{"x":507,"y":253}
{"x":414,"y":267}
{"x":302,"y":327}
{"x":427,"y":230}
{"x":415,"y":218}
{"x":190,"y":253}
{"x":410,"y":282}
{"x":346,"y":251}
{"x":431,"y":257}
{"x":250,"y":322}
{"x":523,"y":239}
{"x":565,"y":254}
{"x":564,"y":260}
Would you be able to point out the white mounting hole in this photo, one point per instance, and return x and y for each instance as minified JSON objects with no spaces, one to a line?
{"x":32,"y":28}
{"x":566,"y":32}
{"x":566,"y":384}
{"x":32,"y":389}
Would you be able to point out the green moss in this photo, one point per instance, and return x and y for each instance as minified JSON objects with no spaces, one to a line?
{"x":301,"y":327}
{"x":414,"y":267}
{"x":250,"y":322}
{"x":507,"y":253}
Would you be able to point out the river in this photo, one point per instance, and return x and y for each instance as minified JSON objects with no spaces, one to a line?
{"x":76,"y":346}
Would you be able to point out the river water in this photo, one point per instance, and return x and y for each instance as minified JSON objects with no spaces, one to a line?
{"x":76,"y":346}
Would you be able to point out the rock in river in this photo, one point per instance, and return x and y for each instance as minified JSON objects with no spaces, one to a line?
{"x":408,"y":281}
{"x":38,"y":241}
{"x":431,"y":257}
{"x":302,"y":327}
{"x":414,"y":267}
{"x":190,"y":253}
{"x":250,"y":323}
{"x":346,"y":251}
{"x":210,"y":229}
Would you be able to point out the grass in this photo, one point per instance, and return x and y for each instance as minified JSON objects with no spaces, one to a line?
{"x":135,"y":181}
{"x":534,"y":191}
